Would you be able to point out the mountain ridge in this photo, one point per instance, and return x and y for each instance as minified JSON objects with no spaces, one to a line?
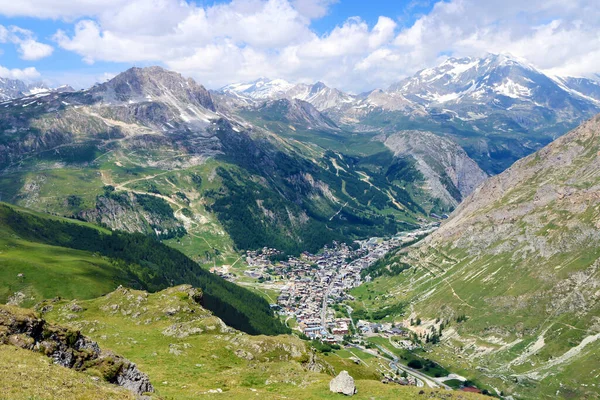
{"x":513,"y":274}
{"x":498,"y":108}
{"x":160,"y":156}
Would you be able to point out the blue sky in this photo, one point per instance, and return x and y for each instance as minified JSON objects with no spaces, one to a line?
{"x":351,"y":44}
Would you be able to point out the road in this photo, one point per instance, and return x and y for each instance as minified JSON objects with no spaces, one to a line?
{"x":395,"y":364}
{"x":324,"y":306}
{"x":349,"y":310}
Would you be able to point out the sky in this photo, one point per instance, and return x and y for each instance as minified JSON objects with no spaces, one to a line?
{"x":354,"y":45}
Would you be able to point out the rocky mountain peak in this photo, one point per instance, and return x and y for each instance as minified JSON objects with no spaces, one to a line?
{"x":299,"y":111}
{"x":15,"y":88}
{"x":318,"y":86}
{"x":151,"y":83}
{"x":449,"y":172}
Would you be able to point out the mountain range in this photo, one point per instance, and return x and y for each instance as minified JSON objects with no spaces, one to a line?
{"x":306,"y":164}
{"x":467,"y":89}
{"x":498,"y":108}
{"x":151,"y":151}
{"x":162,"y":180}
{"x":15,"y":88}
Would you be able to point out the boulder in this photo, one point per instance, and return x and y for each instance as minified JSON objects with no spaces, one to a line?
{"x":343,"y":383}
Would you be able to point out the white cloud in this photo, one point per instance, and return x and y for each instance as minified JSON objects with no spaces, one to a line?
{"x":26,"y":74}
{"x":25,"y":40}
{"x":31,"y":50}
{"x":313,"y":8}
{"x":55,"y":9}
{"x":550,"y":34}
{"x":245,"y":39}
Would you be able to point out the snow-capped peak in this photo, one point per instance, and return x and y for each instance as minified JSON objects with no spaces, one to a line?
{"x":319,"y":95}
{"x":467,"y":86}
{"x":38,"y":90}
{"x":261,"y":88}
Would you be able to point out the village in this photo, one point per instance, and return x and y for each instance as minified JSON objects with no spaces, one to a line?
{"x":312,"y":286}
{"x":312,"y":290}
{"x":312,"y":296}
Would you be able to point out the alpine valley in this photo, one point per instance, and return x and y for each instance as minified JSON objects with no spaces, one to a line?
{"x":437,"y":238}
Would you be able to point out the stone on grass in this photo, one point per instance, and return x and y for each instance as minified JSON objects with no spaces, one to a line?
{"x":343,"y":383}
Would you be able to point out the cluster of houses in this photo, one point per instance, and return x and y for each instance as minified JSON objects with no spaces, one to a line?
{"x":316,"y":282}
{"x":312,"y":284}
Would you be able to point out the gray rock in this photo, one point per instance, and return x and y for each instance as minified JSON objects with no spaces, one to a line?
{"x":343,"y":383}
{"x":450,"y":173}
{"x":68,"y":348}
{"x":130,"y":377}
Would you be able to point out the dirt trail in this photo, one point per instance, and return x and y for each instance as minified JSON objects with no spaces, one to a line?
{"x":366,"y":178}
{"x":121,"y":186}
{"x":456,"y":295}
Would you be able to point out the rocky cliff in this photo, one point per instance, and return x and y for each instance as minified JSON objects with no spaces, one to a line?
{"x":450,"y":173}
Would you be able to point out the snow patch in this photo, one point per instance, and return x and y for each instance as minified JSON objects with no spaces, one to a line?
{"x":512,"y":89}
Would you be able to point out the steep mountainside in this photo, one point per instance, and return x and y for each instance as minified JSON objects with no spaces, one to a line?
{"x":297,"y":112}
{"x":450,"y":173}
{"x":151,"y":151}
{"x":47,"y":257}
{"x":517,"y":265}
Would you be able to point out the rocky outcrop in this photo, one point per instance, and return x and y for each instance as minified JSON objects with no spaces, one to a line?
{"x":130,"y":212}
{"x":299,"y":112}
{"x":450,"y":173}
{"x":69,"y":348}
{"x":343,"y":383}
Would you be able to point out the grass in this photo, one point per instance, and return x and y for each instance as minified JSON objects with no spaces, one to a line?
{"x":50,"y":271}
{"x":188,"y":352}
{"x":454,"y":383}
{"x":28,"y":375}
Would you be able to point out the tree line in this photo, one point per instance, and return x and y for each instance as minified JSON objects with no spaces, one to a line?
{"x":152,"y":266}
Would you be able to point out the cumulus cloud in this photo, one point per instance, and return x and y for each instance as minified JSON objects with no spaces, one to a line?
{"x":25,"y":40}
{"x":26,"y":74}
{"x":245,"y":39}
{"x":31,"y":50}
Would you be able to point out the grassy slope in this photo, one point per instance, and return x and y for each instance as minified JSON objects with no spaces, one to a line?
{"x":140,"y":260}
{"x":28,"y":375}
{"x":522,"y":265}
{"x":51,"y":271}
{"x":187,"y":352}
{"x":48,"y":190}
